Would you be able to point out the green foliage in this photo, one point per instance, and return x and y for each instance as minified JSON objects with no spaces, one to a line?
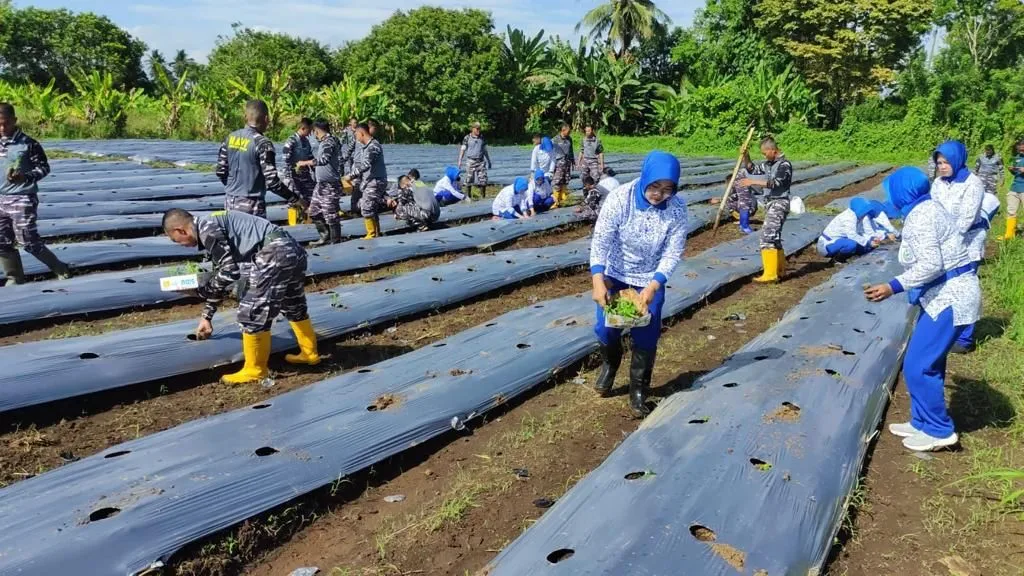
{"x":38,"y":45}
{"x":624,"y":308}
{"x":250,"y":52}
{"x":173,"y":97}
{"x":99,"y":102}
{"x":270,"y":88}
{"x":622,"y":22}
{"x":43,"y":106}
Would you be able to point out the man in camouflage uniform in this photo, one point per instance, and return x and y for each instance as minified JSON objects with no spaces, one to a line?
{"x":373,"y":180}
{"x":989,"y":167}
{"x":415,"y":203}
{"x":277,"y":280}
{"x":324,"y":208}
{"x":246,"y":166}
{"x":297,"y":175}
{"x":591,"y":158}
{"x":348,"y":145}
{"x":741,"y":203}
{"x":777,"y":172}
{"x":23,"y":164}
{"x":474,"y":149}
{"x":563,"y":165}
{"x":592,"y":198}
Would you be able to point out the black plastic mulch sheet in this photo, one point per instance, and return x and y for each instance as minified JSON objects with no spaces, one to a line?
{"x":135,"y":504}
{"x":141,"y":287}
{"x":748,"y":471}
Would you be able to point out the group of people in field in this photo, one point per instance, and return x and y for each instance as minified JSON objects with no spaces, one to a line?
{"x":638,"y":239}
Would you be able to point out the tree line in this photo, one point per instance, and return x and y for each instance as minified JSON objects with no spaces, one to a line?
{"x":870,"y":71}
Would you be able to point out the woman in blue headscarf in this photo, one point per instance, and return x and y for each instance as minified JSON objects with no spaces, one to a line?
{"x":939,"y":278}
{"x":638,"y":241}
{"x":509,"y":204}
{"x":538,"y":195}
{"x":880,"y":214}
{"x":543,"y":157}
{"x":448,"y":189}
{"x":958,"y":190}
{"x":850,"y":233}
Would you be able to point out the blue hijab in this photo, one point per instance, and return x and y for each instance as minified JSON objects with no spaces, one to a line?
{"x":452,"y":173}
{"x":546,"y":144}
{"x":538,"y":174}
{"x":658,"y":165}
{"x":876,"y":208}
{"x":955,"y":153}
{"x":520,"y":185}
{"x":860,"y":207}
{"x":906,"y":188}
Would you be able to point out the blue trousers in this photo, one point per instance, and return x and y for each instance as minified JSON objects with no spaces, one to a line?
{"x":966,"y":337}
{"x":845,"y":247}
{"x":645,"y":338}
{"x":509,"y":214}
{"x":542,"y":204}
{"x":445,"y":198}
{"x":924,"y":370}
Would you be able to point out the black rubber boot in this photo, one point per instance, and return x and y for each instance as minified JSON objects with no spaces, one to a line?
{"x":11,"y":262}
{"x":324,"y":231}
{"x":611,"y":359}
{"x":53,"y":263}
{"x":640,"y":369}
{"x":335,"y":232}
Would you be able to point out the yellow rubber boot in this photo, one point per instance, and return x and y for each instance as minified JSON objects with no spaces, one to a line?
{"x":1011,"y":228}
{"x":256,"y":348}
{"x":770,"y":259}
{"x":781,"y":255}
{"x":372,"y":228}
{"x":306,"y":338}
{"x":735,"y":215}
{"x":294,"y":215}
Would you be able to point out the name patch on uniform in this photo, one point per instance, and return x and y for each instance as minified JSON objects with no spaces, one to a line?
{"x":238,"y":143}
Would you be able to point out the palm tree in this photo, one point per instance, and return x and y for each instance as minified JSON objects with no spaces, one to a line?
{"x":623,"y":22}
{"x":157,"y":63}
{"x":182,"y":63}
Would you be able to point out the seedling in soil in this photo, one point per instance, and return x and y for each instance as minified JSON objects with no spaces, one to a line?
{"x":623,"y":307}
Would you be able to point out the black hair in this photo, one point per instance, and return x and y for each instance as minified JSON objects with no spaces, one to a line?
{"x":257,"y":107}
{"x":538,"y":135}
{"x":363,"y":126}
{"x":609,"y":171}
{"x":990,"y":147}
{"x":414,"y":174}
{"x":769,"y":142}
{"x":588,"y":180}
{"x":7,"y":109}
{"x":305,"y":122}
{"x":322,"y":125}
{"x":176,"y":218}
{"x":566,"y":125}
{"x":353,"y":119}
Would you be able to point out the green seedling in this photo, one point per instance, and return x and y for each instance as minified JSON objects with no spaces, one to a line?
{"x":624,"y":308}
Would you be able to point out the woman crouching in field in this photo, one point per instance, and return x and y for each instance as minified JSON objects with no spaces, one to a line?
{"x":638,"y":241}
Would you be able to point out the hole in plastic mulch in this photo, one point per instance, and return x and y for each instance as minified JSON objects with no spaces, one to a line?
{"x":191,"y":337}
{"x":869,"y":313}
{"x":489,"y":324}
{"x":787,"y":336}
{"x":118,"y":453}
{"x":858,"y":330}
{"x":88,"y":356}
{"x":103,"y":514}
{"x":364,"y":370}
{"x":436,"y":278}
{"x":848,"y":353}
{"x":791,"y":406}
{"x":360,"y":247}
{"x":730,"y":385}
{"x":261,"y":406}
{"x":760,"y":464}
{"x":509,"y":262}
{"x":759,"y":358}
{"x":560,"y":555}
{"x":831,"y":372}
{"x":635,"y":475}
{"x":265,"y":451}
{"x":703,"y":533}
{"x":539,"y":306}
{"x":805,"y":317}
{"x":128,"y":281}
{"x":48,"y":291}
{"x":522,"y":346}
{"x":440,"y":345}
{"x":470,"y":269}
{"x":702,"y":420}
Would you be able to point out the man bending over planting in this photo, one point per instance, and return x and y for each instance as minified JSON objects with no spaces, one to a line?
{"x":276,"y":275}
{"x":24,"y":164}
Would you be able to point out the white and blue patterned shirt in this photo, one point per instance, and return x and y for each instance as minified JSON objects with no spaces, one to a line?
{"x":507,"y":201}
{"x":445,"y":185}
{"x":882,"y":226}
{"x":634,"y":244}
{"x":978,"y":233}
{"x":932,"y":246}
{"x":846,"y":225}
{"x":961,"y":200}
{"x":543,"y":160}
{"x":544,"y":191}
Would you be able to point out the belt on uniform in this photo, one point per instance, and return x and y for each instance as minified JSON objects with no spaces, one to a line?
{"x":914,"y":294}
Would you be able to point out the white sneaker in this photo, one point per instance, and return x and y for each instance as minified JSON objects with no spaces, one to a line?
{"x":903,"y":430}
{"x":921,"y":442}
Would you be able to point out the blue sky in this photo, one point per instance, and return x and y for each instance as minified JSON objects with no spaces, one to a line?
{"x":194,"y":24}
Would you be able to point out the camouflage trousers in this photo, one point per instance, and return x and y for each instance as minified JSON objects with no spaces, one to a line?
{"x":563,"y":173}
{"x":591,"y":167}
{"x":413,"y":214}
{"x":372,"y":201}
{"x":591,"y":205}
{"x":326,"y":202}
{"x":742,"y":200}
{"x":277,"y":285}
{"x":991,"y":182}
{"x":357,"y":196}
{"x":302,"y":184}
{"x":775,"y":213}
{"x":254,"y":206}
{"x":18,"y":223}
{"x":476,"y":173}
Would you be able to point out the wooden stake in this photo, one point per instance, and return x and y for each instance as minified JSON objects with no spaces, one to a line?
{"x":732,"y":180}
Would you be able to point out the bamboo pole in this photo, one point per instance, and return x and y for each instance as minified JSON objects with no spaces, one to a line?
{"x":732,"y":180}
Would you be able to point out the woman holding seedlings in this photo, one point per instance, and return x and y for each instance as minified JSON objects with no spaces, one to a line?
{"x":939,"y":277}
{"x":638,"y":241}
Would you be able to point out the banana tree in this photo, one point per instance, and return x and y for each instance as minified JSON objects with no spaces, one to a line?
{"x":349,"y":98}
{"x":99,"y":100}
{"x":45,"y":105}
{"x":302,"y":104}
{"x":216,"y":105}
{"x":269,"y":89}
{"x":173,"y":97}
{"x":7,"y":92}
